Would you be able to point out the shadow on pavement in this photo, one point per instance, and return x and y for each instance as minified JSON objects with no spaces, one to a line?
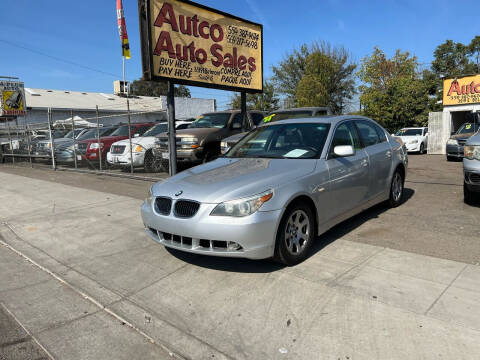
{"x":342,"y":229}
{"x":268,"y":265}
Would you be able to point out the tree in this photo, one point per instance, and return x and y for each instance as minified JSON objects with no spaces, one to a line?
{"x":153,"y":88}
{"x":266,"y":101}
{"x":452,"y":60}
{"x":320,"y":67}
{"x":394,"y":92}
{"x":290,"y":71}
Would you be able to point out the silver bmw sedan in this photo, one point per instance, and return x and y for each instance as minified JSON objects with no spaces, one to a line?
{"x":278,"y":188}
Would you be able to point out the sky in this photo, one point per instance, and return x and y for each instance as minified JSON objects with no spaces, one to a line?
{"x":74,"y":45}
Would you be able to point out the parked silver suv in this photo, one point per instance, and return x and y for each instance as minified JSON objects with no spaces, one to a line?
{"x":471,"y":170}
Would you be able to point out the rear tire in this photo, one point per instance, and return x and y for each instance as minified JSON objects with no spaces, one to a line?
{"x":396,"y":189}
{"x":450,"y":158}
{"x":295,"y":235}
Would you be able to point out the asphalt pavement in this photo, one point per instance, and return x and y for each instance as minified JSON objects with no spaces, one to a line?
{"x":80,"y":280}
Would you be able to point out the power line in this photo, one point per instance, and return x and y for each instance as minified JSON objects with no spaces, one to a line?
{"x":59,"y":59}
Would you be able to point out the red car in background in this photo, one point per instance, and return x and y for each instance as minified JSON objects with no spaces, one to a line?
{"x":89,"y":148}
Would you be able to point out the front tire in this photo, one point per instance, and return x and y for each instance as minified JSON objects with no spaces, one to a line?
{"x":295,"y":235}
{"x":396,"y":189}
{"x":422,"y":148}
{"x":150,"y":164}
{"x":468,"y":196}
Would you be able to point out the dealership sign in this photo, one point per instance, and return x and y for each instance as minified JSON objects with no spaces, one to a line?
{"x":12,"y":98}
{"x":465,"y":90}
{"x":195,"y":45}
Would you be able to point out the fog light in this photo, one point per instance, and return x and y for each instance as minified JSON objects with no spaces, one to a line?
{"x":233,"y":246}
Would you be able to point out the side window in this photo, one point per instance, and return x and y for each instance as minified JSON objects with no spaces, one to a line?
{"x":380,"y":133}
{"x":425,"y":132}
{"x":237,"y":119}
{"x":367,"y":132}
{"x":345,"y":134}
{"x":256,"y":118}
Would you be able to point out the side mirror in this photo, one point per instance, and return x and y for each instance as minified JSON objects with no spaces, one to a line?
{"x":236,"y":126}
{"x":344,"y":150}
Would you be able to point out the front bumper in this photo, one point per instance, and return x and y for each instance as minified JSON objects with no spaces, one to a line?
{"x":255,"y":233}
{"x":455,"y":150}
{"x":413,"y":147}
{"x":124,"y":159}
{"x":183,"y":155}
{"x":471,"y":172}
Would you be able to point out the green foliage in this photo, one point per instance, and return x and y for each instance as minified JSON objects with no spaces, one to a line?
{"x":156,"y":89}
{"x":320,"y":75}
{"x":290,"y":71}
{"x":394,"y":92}
{"x":266,"y":101}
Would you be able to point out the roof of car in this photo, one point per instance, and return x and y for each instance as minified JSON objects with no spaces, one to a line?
{"x":308,"y":108}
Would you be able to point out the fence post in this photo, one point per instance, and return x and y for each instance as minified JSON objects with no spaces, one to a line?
{"x":130,"y":137}
{"x":52,"y":147}
{"x":98,"y":141}
{"x":74,"y":140}
{"x":29,"y":144}
{"x":11,"y":143}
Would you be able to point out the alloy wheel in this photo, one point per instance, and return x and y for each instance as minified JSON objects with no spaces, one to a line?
{"x":297,"y":232}
{"x":397,"y":187}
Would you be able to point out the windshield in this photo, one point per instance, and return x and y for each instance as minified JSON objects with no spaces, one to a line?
{"x":90,"y":134}
{"x":217,"y":120}
{"x":468,"y":128}
{"x":121,"y":131}
{"x":157,"y":129}
{"x":304,"y":141}
{"x":409,"y":132}
{"x":57,"y":134}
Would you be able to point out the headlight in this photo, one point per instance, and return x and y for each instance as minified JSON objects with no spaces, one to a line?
{"x":472,"y":152}
{"x":189,"y":143}
{"x":94,"y":146}
{"x":138,"y":149}
{"x":224,"y":147}
{"x":150,"y":195}
{"x":452,"y":142}
{"x":242,"y":207}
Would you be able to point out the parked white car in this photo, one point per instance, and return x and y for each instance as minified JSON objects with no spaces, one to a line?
{"x":414,"y":138}
{"x":119,"y":154}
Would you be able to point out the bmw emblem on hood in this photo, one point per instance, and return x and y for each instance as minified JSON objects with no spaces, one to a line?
{"x":179,"y":193}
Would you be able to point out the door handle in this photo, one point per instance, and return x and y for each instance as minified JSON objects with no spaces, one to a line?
{"x":364,"y":162}
{"x":388,"y":154}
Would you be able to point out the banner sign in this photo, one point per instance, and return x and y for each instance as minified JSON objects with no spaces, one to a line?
{"x":122,"y":30}
{"x":12,"y":97}
{"x":461,"y":91}
{"x":192,"y":44}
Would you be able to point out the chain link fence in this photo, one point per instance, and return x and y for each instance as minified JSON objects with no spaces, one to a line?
{"x":120,"y":144}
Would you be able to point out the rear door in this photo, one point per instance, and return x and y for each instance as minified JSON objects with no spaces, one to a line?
{"x":349,"y":176}
{"x":379,"y":153}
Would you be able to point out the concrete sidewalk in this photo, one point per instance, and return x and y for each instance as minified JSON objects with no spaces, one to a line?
{"x":78,"y":272}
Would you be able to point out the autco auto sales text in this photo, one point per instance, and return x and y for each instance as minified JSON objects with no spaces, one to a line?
{"x":234,"y":68}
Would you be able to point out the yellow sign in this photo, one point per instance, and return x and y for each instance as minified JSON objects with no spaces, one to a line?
{"x":196,"y":45}
{"x":461,"y":91}
{"x":12,"y":99}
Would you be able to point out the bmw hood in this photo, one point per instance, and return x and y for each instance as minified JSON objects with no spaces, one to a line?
{"x":228,"y":179}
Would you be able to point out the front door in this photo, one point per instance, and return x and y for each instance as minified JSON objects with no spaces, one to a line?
{"x":349,"y":176}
